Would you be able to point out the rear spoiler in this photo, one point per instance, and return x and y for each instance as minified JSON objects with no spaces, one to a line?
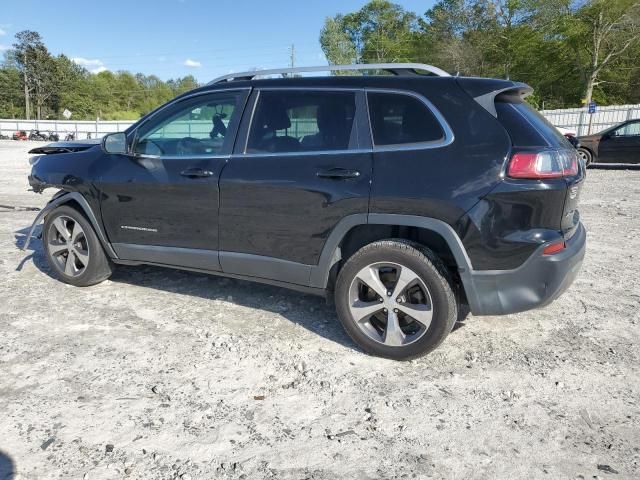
{"x":485,"y":91}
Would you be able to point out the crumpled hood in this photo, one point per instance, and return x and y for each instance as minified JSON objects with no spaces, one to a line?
{"x":65,"y":147}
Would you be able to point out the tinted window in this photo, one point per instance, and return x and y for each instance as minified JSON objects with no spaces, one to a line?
{"x":398,"y":119}
{"x":628,"y":130}
{"x":527,"y":127}
{"x":293,"y":121}
{"x":195,"y":127}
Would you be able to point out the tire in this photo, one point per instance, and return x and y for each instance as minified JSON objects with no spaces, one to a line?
{"x":90,"y":265}
{"x":428,"y":295}
{"x":585,"y":155}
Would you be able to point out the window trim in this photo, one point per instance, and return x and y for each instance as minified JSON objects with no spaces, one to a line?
{"x":135,"y":133}
{"x":447,"y":140}
{"x":259,"y":90}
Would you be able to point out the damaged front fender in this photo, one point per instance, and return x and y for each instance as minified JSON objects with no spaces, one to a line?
{"x":60,"y":198}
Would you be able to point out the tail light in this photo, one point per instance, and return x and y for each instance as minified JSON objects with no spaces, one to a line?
{"x":554,"y":248}
{"x":543,"y":164}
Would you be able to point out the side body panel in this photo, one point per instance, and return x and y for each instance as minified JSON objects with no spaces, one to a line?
{"x":275,"y":207}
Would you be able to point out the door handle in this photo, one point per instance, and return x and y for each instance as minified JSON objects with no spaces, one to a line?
{"x":196,"y":173}
{"x":338,"y":173}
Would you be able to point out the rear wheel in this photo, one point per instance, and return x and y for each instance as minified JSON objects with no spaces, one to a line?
{"x":73,"y":250}
{"x":394,"y":298}
{"x":586,"y":156}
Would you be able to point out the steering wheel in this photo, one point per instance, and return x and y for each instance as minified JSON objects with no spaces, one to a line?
{"x":190,"y":145}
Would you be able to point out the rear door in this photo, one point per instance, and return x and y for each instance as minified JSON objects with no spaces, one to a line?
{"x":622,"y":145}
{"x":160,"y":203}
{"x":302,"y":164}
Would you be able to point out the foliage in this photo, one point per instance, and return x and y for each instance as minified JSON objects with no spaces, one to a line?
{"x":55,"y":83}
{"x":563,"y":48}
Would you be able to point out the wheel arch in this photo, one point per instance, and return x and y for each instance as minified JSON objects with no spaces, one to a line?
{"x":355,"y":231}
{"x":80,"y":203}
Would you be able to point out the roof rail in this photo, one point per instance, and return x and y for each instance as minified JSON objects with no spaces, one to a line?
{"x":394,"y":68}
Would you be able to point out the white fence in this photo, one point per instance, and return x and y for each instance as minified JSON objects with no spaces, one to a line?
{"x":576,"y":119}
{"x":81,"y":129}
{"x":583,"y":123}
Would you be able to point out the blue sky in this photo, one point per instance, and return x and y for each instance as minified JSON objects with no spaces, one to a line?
{"x":172,"y":38}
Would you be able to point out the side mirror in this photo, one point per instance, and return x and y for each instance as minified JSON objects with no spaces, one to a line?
{"x":115,"y":143}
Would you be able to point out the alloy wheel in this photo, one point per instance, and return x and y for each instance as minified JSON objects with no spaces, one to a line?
{"x":67,"y":245}
{"x":391,"y":304}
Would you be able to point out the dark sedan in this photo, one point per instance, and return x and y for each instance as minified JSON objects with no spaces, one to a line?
{"x":617,"y":144}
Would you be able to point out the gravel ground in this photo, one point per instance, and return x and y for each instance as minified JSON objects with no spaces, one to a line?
{"x":161,"y":374}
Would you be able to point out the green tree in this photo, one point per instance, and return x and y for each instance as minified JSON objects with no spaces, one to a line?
{"x":603,"y":31}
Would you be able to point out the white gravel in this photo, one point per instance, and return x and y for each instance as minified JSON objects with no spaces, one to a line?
{"x":161,"y":374}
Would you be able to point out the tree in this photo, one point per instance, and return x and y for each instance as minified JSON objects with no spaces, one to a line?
{"x":606,"y":30}
{"x":336,"y":42}
{"x":380,"y":31}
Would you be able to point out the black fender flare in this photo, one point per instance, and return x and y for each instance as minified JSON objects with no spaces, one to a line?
{"x":331,"y":252}
{"x":61,"y":198}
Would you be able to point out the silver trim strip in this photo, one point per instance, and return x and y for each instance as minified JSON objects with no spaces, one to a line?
{"x":302,"y":154}
{"x":395,"y":68}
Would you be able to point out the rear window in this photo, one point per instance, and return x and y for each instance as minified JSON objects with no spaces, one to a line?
{"x":401,"y":119}
{"x":527,"y":127}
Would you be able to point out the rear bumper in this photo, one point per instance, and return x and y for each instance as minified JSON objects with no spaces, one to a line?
{"x":538,"y":282}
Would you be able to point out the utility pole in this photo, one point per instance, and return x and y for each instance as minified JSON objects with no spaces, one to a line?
{"x":293,"y":56}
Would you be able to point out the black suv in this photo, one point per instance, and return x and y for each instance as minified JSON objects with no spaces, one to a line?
{"x":407,"y":197}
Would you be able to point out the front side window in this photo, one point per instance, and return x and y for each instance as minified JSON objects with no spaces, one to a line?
{"x":296,"y":121}
{"x":197,"y":127}
{"x":628,"y":130}
{"x":398,"y":119}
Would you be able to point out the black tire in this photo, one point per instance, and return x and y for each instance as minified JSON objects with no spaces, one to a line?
{"x":98,"y":267}
{"x":586,"y":155}
{"x":429,"y":269}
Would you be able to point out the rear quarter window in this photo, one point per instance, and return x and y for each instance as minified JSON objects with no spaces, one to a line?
{"x":527,"y":127}
{"x":398,"y":119}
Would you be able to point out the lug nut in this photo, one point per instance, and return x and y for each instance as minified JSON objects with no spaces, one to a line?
{"x":389,"y":293}
{"x":381,"y":300}
{"x":399,"y":300}
{"x":395,"y":310}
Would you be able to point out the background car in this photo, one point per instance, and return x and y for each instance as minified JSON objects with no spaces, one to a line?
{"x":617,"y":144}
{"x":570,"y":135}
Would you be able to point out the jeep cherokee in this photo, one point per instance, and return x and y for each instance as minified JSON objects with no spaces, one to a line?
{"x":407,"y":197}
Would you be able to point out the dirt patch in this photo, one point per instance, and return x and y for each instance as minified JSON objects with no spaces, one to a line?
{"x":161,"y":374}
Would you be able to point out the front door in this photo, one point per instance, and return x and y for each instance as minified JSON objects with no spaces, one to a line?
{"x":160,"y":203}
{"x":305,"y":165}
{"x":621,"y":145}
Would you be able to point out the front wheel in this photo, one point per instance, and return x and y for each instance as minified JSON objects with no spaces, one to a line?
{"x":72,"y":248}
{"x":394,"y":298}
{"x":586,"y":156}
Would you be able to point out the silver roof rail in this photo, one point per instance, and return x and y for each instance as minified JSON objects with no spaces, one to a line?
{"x":394,"y":68}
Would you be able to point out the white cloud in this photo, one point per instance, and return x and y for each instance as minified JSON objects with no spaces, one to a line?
{"x":2,"y":32}
{"x":87,"y":62}
{"x":3,"y":48}
{"x":192,"y":63}
{"x":98,"y":65}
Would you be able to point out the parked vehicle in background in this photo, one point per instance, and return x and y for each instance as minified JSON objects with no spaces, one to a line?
{"x":38,"y":135}
{"x":4,"y":137}
{"x":70,"y":136}
{"x":53,"y":137}
{"x":617,"y":144}
{"x":570,"y":135}
{"x":20,"y":135}
{"x":406,"y":198}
